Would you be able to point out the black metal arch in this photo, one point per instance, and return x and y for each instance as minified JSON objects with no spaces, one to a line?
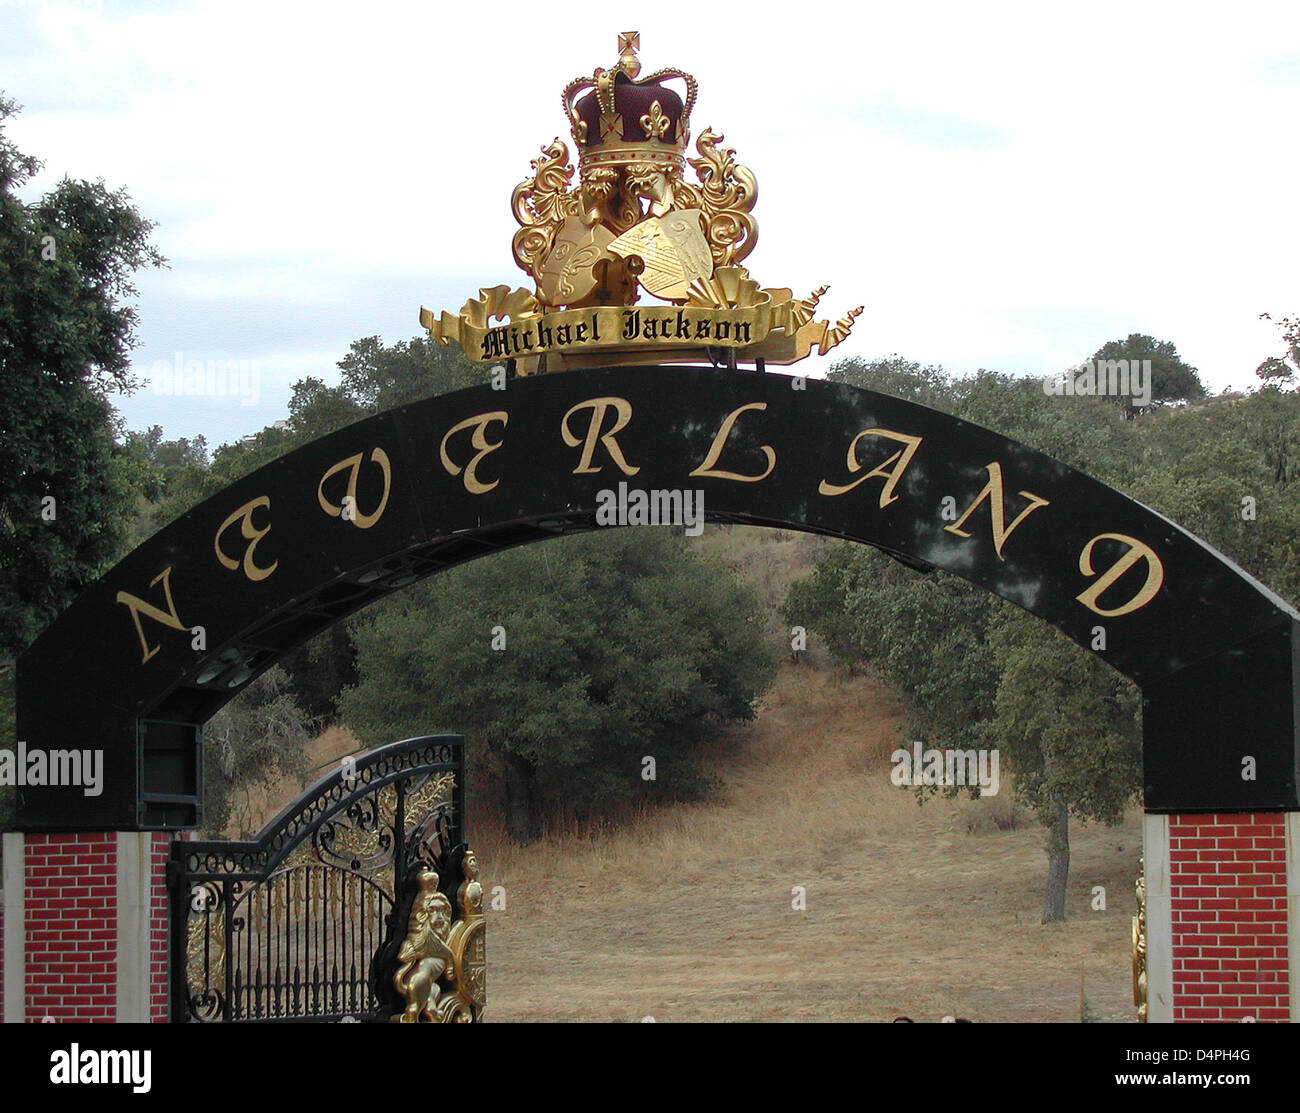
{"x":183,"y":622}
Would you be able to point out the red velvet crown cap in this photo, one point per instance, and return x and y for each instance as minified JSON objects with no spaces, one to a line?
{"x":631,"y":101}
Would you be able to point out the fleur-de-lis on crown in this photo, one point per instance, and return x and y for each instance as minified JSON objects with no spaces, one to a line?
{"x":654,"y":123}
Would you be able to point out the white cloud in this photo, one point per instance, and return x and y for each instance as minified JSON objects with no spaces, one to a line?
{"x":1002,"y":185}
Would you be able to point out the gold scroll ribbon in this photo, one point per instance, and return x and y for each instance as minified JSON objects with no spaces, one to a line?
{"x":593,"y":328}
{"x":728,"y":310}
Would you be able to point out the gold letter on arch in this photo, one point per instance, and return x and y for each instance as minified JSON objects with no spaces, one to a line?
{"x":138,"y":607}
{"x":997,"y":509}
{"x":707,"y":470}
{"x":358,"y":519}
{"x":622,"y":415}
{"x":1137,"y":551}
{"x":901,"y":458}
{"x":481,"y":445}
{"x":251,"y":534}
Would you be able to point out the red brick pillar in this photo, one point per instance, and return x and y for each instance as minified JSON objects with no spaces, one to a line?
{"x":1218,"y":932}
{"x":85,"y":927}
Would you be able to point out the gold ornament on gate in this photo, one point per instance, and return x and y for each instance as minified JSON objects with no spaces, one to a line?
{"x":1139,"y":944}
{"x":634,"y":225}
{"x":442,"y":963}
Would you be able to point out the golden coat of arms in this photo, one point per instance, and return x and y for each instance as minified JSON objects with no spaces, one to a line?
{"x":634,"y":225}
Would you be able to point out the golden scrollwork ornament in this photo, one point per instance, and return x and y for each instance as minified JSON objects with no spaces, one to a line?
{"x":467,"y":941}
{"x":634,"y":225}
{"x":1139,"y":945}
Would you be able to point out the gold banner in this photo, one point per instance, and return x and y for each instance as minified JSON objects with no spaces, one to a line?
{"x":576,"y":330}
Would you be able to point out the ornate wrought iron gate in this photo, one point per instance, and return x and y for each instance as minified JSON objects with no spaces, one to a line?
{"x":359,"y":901}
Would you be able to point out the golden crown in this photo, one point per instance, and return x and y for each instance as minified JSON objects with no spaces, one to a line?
{"x":634,"y":223}
{"x":619,"y":120}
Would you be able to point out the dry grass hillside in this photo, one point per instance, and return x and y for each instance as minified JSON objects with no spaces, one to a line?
{"x":685,"y":914}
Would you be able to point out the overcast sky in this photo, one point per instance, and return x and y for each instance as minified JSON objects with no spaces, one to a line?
{"x":1002,"y":185}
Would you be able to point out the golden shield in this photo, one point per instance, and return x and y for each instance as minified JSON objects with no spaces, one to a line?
{"x":569,"y":272}
{"x":672,"y":250}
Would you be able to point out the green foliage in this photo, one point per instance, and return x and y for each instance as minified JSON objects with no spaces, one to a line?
{"x":231,"y":462}
{"x":1277,"y":370}
{"x":818,"y":602}
{"x":927,"y":634}
{"x":316,"y":409}
{"x":67,"y":488}
{"x":168,"y":476}
{"x":619,"y":645}
{"x":1087,"y":433}
{"x":903,"y":378}
{"x":378,"y":378}
{"x":1172,"y":379}
{"x":66,"y":263}
{"x":1066,"y":723}
{"x":252,"y":741}
{"x":319,"y":670}
{"x":1200,"y":465}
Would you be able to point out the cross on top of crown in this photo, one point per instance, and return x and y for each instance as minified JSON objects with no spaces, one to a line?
{"x":629,"y":42}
